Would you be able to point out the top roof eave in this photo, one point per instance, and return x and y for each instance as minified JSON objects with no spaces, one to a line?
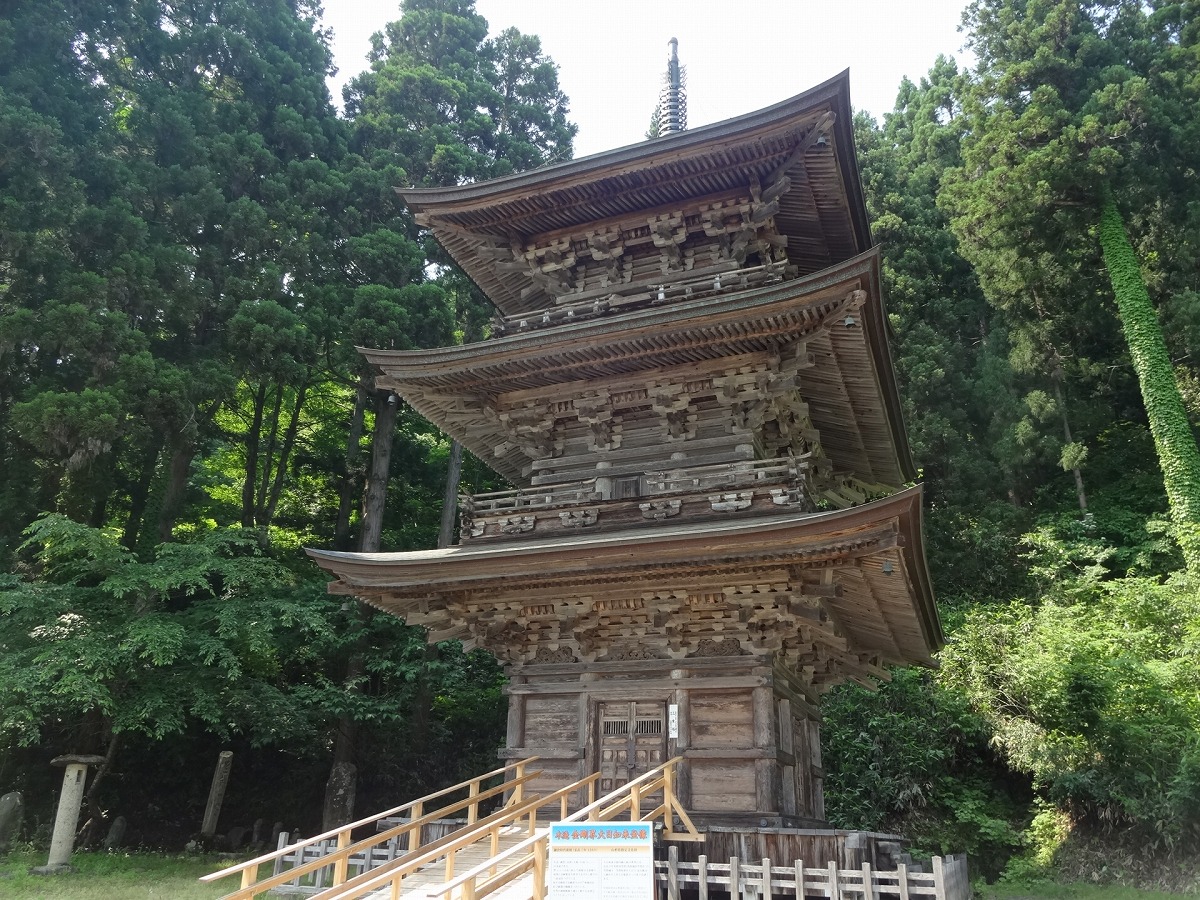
{"x":835,"y":92}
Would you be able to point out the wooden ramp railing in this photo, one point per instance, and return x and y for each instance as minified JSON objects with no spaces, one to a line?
{"x":504,"y":866}
{"x":530,"y":856}
{"x":417,"y":814}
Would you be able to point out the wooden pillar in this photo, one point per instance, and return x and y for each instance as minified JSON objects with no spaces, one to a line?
{"x":818,"y":773}
{"x":683,"y":774}
{"x":766,"y":791}
{"x":516,"y":715}
{"x":787,"y":748}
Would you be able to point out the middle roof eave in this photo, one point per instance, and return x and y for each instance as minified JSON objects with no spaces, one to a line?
{"x":438,"y":367}
{"x":554,"y":354}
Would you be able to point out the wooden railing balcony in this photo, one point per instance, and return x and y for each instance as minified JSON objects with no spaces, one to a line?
{"x":686,"y":285}
{"x":603,"y":503}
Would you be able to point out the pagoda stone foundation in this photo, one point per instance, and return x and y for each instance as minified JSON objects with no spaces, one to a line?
{"x":689,"y":386}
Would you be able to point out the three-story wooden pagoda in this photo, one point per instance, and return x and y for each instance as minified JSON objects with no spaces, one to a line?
{"x":689,"y":381}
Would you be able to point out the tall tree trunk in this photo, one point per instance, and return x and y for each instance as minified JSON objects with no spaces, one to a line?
{"x":252,"y":439}
{"x":268,"y":456}
{"x":1177,"y":453}
{"x":179,"y":467}
{"x":387,"y":405}
{"x":1080,"y":494}
{"x":285,"y":453}
{"x":340,"y":788}
{"x":90,"y":832}
{"x":139,"y":494}
{"x":450,"y":499}
{"x":349,"y":487}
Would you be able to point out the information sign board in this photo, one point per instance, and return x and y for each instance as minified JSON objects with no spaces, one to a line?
{"x":613,"y":860}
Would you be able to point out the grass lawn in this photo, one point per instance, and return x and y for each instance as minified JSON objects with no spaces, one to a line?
{"x":1071,"y":891}
{"x":142,"y":876}
{"x":114,"y":876}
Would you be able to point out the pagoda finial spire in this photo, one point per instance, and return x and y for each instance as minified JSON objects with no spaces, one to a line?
{"x":672,"y":100}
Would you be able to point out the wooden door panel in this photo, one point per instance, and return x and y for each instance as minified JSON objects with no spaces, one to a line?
{"x":633,"y":740}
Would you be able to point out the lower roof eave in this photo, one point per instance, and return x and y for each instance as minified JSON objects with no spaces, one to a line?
{"x":894,"y":521}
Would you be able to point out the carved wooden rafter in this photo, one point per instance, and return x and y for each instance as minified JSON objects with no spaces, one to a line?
{"x":733,"y":229}
{"x":529,"y":427}
{"x":780,"y":617}
{"x":672,"y":402}
{"x":595,"y":410}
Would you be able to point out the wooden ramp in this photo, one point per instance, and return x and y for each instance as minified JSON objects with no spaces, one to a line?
{"x":426,"y":883}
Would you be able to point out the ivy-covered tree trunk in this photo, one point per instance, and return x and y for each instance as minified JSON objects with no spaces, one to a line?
{"x":1177,"y":453}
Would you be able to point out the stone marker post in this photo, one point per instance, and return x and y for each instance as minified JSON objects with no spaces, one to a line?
{"x":216,"y":793}
{"x":12,"y":808}
{"x":63,"y":840}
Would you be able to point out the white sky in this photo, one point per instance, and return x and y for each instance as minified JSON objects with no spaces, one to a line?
{"x":739,"y":56}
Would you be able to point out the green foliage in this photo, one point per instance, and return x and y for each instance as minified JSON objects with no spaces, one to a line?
{"x":452,"y":105}
{"x":1090,"y":692}
{"x":191,"y":636}
{"x":914,"y":759}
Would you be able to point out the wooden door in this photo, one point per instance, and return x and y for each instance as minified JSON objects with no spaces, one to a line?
{"x":633,"y":740}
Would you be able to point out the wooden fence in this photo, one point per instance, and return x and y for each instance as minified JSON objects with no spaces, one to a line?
{"x":764,"y":880}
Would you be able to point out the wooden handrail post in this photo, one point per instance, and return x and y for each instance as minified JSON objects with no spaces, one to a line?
{"x":249,"y":876}
{"x":668,"y":800}
{"x":519,"y":792}
{"x":539,"y":870}
{"x":414,"y":834}
{"x":473,"y":809}
{"x":342,"y":866}
{"x":635,"y":803}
